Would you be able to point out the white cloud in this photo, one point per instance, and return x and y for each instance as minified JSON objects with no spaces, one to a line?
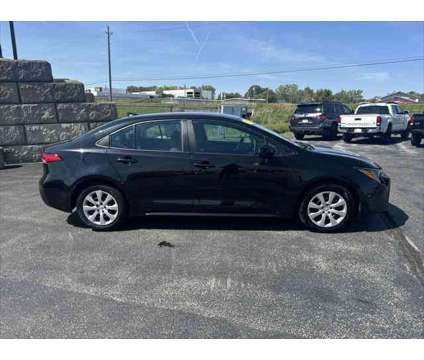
{"x":375,"y":76}
{"x":270,"y":51}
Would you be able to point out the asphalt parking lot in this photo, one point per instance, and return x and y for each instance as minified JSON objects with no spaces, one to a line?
{"x":223,"y":278}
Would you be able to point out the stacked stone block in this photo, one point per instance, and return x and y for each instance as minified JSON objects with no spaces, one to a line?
{"x":36,"y":110}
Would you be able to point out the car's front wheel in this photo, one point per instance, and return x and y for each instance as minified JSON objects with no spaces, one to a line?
{"x":101,"y":207}
{"x":327,"y":208}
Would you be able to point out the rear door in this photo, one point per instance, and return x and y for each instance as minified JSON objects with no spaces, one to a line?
{"x":154,"y":165}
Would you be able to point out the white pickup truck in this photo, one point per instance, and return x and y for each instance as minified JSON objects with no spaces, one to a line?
{"x":380,"y":119}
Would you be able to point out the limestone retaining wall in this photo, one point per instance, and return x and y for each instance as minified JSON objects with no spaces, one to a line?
{"x":36,"y":110}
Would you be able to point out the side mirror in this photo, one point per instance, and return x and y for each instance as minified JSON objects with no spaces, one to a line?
{"x":266,"y":152}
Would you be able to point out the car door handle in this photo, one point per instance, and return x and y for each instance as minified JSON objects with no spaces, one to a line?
{"x":203,"y":164}
{"x":126,"y":160}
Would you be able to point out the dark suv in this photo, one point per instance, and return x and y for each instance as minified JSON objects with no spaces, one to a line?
{"x":416,"y":127}
{"x":206,"y":164}
{"x":317,"y":118}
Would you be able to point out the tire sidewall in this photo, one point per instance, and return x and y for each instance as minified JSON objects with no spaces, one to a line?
{"x":340,"y":190}
{"x":415,"y":139}
{"x":122,"y":209}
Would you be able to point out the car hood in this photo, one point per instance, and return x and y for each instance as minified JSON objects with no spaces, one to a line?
{"x":336,"y":153}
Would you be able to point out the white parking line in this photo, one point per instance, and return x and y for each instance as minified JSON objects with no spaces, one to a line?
{"x":403,"y":147}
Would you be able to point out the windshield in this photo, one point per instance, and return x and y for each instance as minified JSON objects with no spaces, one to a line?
{"x":373,"y":109}
{"x":308,"y":108}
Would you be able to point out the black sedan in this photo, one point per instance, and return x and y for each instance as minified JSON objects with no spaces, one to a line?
{"x":206,"y":164}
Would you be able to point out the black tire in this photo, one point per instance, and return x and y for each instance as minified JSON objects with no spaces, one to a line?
{"x":347,"y":138}
{"x":121,"y":212}
{"x":415,"y":139}
{"x":387,"y":136}
{"x":330,"y":133}
{"x":299,"y":135}
{"x":404,"y":135}
{"x":340,"y":191}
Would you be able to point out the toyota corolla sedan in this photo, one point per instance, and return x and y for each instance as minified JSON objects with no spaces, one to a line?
{"x":206,"y":164}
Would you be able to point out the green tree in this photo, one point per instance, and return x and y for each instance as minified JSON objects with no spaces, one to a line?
{"x":289,"y":93}
{"x":323,"y":94}
{"x":254,"y":91}
{"x":232,"y":95}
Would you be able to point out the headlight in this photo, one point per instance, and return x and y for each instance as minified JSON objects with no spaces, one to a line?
{"x":373,"y":174}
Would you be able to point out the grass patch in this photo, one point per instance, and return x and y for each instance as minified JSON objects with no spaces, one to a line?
{"x":272,"y":116}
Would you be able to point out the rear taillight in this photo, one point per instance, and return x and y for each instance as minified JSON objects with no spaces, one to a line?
{"x":379,"y":120}
{"x":412,"y":121}
{"x":338,"y":119}
{"x":322,"y":117}
{"x":49,"y":158}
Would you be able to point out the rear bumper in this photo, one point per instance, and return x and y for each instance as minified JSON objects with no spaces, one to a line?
{"x":417,"y":131}
{"x":55,"y":194}
{"x":361,"y":131}
{"x":312,"y":129}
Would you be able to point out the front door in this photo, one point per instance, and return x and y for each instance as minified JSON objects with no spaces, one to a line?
{"x":154,"y":166}
{"x":230,"y":177}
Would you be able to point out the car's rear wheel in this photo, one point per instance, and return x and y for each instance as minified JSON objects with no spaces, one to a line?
{"x":299,"y":135}
{"x":404,"y":135}
{"x":347,"y":138}
{"x":327,"y":208}
{"x":415,"y":139}
{"x":101,"y":207}
{"x":387,"y":136}
{"x":330,"y":133}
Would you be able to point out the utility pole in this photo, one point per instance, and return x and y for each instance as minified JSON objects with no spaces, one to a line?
{"x":108,"y":58}
{"x":1,"y":53}
{"x":12,"y":35}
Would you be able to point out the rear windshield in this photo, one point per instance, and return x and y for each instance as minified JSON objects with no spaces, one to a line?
{"x":373,"y":109}
{"x":308,"y":109}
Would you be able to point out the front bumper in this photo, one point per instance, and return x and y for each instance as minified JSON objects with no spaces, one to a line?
{"x":376,"y":198}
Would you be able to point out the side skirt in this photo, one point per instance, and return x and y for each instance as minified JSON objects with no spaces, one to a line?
{"x":211,"y":214}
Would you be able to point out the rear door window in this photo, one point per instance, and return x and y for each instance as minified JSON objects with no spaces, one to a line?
{"x":159,"y":136}
{"x":123,"y":139}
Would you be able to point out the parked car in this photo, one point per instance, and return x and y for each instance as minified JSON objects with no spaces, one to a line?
{"x":375,"y":119}
{"x":317,"y":118}
{"x":206,"y":164}
{"x":416,"y":127}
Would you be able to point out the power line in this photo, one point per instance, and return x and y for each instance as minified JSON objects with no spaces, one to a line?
{"x":322,"y":68}
{"x":178,"y":27}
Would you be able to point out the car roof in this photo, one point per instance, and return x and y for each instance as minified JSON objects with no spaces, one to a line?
{"x":183,"y":115}
{"x":116,"y":124}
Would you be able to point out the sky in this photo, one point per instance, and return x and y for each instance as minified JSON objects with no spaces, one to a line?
{"x":164,"y":50}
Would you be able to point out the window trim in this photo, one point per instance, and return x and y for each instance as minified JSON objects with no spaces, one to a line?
{"x":183,"y":137}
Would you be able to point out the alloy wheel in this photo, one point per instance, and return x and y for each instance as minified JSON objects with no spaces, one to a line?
{"x":100,"y":207}
{"x":327,"y":209}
